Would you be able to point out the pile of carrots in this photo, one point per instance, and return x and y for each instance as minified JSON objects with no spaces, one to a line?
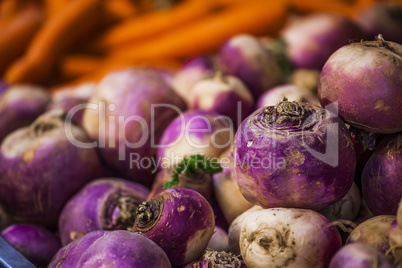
{"x":59,"y":42}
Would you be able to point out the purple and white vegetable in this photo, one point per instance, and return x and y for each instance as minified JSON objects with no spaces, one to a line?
{"x":127,"y":115}
{"x":20,"y":105}
{"x":35,"y":243}
{"x":194,"y":132}
{"x":382,"y":18}
{"x":73,"y":100}
{"x":235,"y":228}
{"x":365,"y":80}
{"x":382,"y":176}
{"x":305,"y":78}
{"x":115,"y":208}
{"x":359,"y":255}
{"x":245,"y":57}
{"x":373,"y":232}
{"x":219,"y":240}
{"x":395,"y":236}
{"x":224,"y":94}
{"x":291,"y":92}
{"x":111,"y":249}
{"x":294,"y":155}
{"x":313,"y":38}
{"x":192,"y":72}
{"x":212,"y":258}
{"x":42,"y":166}
{"x":180,"y":221}
{"x":345,"y":209}
{"x":226,"y":189}
{"x":288,"y":237}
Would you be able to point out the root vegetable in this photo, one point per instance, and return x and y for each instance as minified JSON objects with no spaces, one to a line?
{"x":219,"y":240}
{"x":115,"y":208}
{"x":287,"y":237}
{"x":182,"y":212}
{"x":212,"y":258}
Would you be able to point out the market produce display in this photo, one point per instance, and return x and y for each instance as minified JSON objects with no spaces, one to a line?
{"x":201,"y":133}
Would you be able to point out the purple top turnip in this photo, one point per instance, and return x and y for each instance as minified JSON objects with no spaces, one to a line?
{"x":245,"y":57}
{"x":213,"y":258}
{"x":395,"y":241}
{"x":226,"y":189}
{"x":294,"y":155}
{"x":306,"y":78}
{"x":365,"y":80}
{"x":359,"y":255}
{"x":194,"y":132}
{"x":373,"y":232}
{"x":104,"y":204}
{"x":289,"y":91}
{"x":127,"y":115}
{"x":111,"y":249}
{"x":180,"y":221}
{"x":192,"y":72}
{"x":20,"y":105}
{"x":288,"y":237}
{"x":382,"y":176}
{"x":42,"y":166}
{"x":219,"y":240}
{"x":224,"y":94}
{"x":382,"y":18}
{"x":313,"y":38}
{"x":35,"y":243}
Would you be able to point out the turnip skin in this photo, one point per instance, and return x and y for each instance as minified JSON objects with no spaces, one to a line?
{"x":104,"y":204}
{"x":35,"y":243}
{"x":226,"y":189}
{"x":212,"y":259}
{"x":313,"y":38}
{"x":20,"y":105}
{"x":219,"y":240}
{"x":274,"y":167}
{"x":182,"y":212}
{"x":203,"y":132}
{"x":131,"y":93}
{"x":395,"y":241}
{"x":111,"y":249}
{"x":373,"y":232}
{"x":40,"y":169}
{"x":364,"y":79}
{"x":245,"y":57}
{"x":359,"y":255}
{"x":3,"y":87}
{"x":287,"y":237}
{"x":382,"y":176}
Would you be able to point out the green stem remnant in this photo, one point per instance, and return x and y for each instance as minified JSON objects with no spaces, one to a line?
{"x":193,"y":166}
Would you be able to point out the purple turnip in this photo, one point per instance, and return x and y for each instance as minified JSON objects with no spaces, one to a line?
{"x":313,"y":38}
{"x":20,"y":105}
{"x":395,"y":236}
{"x":43,"y":165}
{"x":115,"y":208}
{"x":73,"y":100}
{"x":294,"y":155}
{"x":127,"y":115}
{"x":224,"y":94}
{"x":111,"y":249}
{"x":288,"y":237}
{"x":382,"y":18}
{"x":180,"y":221}
{"x":364,"y":79}
{"x":306,"y":78}
{"x":219,"y":240}
{"x":192,"y":72}
{"x":373,"y":232}
{"x":345,"y":209}
{"x":245,"y":57}
{"x":359,"y":255}
{"x":291,"y":92}
{"x":212,"y":259}
{"x":382,"y":176}
{"x":35,"y":243}
{"x":226,"y":189}
{"x":194,"y":132}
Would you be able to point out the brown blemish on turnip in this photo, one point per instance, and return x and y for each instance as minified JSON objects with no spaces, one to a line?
{"x":381,"y":106}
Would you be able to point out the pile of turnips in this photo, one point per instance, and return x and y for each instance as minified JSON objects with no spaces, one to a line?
{"x":272,"y":152}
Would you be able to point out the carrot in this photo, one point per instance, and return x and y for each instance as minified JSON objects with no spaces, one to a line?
{"x":57,"y":35}
{"x":55,"y":7}
{"x":254,"y":17}
{"x":73,"y":66}
{"x":17,"y":33}
{"x":310,"y":6}
{"x":152,"y":23}
{"x":119,"y":9}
